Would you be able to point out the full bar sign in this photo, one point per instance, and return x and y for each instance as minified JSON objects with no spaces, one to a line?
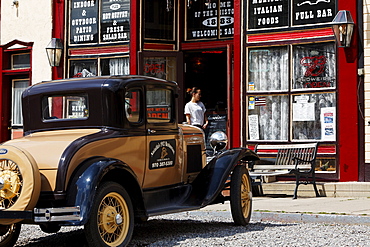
{"x":313,"y":11}
{"x":268,"y":13}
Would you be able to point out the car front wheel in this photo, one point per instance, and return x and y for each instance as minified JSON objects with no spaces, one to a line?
{"x":112,"y":219}
{"x":9,"y":234}
{"x":241,"y":195}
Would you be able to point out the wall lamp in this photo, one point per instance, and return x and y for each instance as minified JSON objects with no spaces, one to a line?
{"x":54,"y":51}
{"x":343,"y":26}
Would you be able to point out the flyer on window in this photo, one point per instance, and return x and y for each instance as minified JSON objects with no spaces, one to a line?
{"x":328,"y":124}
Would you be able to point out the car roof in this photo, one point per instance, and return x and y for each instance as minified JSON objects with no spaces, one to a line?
{"x":103,"y":100}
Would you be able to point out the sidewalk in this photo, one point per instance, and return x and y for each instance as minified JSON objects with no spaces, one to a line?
{"x":349,"y":210}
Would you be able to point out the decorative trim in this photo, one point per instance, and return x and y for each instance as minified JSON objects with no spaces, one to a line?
{"x":287,"y":36}
{"x":98,"y":50}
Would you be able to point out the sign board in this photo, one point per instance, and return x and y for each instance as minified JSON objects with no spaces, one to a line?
{"x":115,"y":20}
{"x":210,"y":20}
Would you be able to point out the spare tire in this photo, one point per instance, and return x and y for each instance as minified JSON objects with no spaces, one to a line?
{"x":20,"y":181}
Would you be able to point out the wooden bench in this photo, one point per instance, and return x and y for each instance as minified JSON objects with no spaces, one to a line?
{"x":297,"y":159}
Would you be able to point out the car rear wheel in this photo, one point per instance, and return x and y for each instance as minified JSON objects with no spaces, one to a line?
{"x":9,"y":234}
{"x":20,"y":181}
{"x":112,"y":219}
{"x":241,"y":195}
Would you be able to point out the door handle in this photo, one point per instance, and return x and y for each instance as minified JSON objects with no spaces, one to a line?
{"x":151,"y":131}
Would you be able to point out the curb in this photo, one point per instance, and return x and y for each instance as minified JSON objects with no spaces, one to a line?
{"x":295,"y":217}
{"x":311,"y":218}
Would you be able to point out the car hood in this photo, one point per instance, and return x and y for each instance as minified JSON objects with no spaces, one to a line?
{"x":47,"y":147}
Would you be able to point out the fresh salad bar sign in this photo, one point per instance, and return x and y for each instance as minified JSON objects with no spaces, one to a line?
{"x":210,"y":20}
{"x":276,"y":13}
{"x":112,"y":16}
{"x":115,"y":24}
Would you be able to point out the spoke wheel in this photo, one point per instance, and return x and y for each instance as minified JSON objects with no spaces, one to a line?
{"x":112,"y":220}
{"x":9,"y":234}
{"x":241,"y":195}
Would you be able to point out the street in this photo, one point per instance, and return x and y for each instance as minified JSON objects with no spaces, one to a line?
{"x":214,"y":228}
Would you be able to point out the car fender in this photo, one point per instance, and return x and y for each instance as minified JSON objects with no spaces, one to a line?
{"x":88,"y":182}
{"x":211,"y":180}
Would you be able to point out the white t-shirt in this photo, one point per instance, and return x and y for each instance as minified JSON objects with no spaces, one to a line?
{"x":196,"y":111}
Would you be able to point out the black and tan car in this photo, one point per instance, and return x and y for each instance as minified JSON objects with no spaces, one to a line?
{"x":103,"y":152}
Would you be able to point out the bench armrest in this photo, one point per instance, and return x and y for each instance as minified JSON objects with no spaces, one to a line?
{"x":297,"y":160}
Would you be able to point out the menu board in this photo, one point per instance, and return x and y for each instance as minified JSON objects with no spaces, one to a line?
{"x":84,"y":22}
{"x":216,"y":122}
{"x":210,"y":20}
{"x":313,"y":11}
{"x":268,"y":13}
{"x":115,"y":20}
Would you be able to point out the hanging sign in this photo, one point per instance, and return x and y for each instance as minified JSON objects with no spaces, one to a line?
{"x":84,"y":22}
{"x":115,"y":20}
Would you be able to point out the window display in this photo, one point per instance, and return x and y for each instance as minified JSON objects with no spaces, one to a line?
{"x":277,"y":111}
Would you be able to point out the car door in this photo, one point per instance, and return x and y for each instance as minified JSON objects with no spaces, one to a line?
{"x":164,"y":145}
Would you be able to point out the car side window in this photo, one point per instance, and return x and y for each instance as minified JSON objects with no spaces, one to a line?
{"x":132,"y":105}
{"x":159,"y":105}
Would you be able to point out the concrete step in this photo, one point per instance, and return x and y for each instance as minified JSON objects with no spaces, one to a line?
{"x":328,"y":189}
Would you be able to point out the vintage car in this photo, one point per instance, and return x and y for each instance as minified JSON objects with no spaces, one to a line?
{"x":103,"y":152}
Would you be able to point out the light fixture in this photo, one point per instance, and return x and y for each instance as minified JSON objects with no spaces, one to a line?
{"x":343,"y":26}
{"x":54,"y":51}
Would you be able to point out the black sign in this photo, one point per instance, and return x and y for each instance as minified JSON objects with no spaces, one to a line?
{"x":210,"y":20}
{"x":313,"y":11}
{"x":216,"y":122}
{"x":115,"y":16}
{"x":268,"y":13}
{"x":162,"y":154}
{"x":84,"y":22}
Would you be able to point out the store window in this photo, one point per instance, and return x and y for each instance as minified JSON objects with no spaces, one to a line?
{"x":18,"y":87}
{"x":99,"y":21}
{"x":159,"y":19}
{"x":160,"y":67}
{"x":297,"y":104}
{"x":99,"y":66}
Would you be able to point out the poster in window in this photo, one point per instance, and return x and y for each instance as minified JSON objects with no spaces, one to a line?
{"x":84,"y":22}
{"x":210,"y":20}
{"x":268,"y":14}
{"x":114,"y":24}
{"x":327,"y":117}
{"x":253,"y":127}
{"x":314,"y":66}
{"x":155,"y":67}
{"x":313,"y":11}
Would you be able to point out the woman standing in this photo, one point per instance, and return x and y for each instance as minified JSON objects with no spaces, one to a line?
{"x":195,"y":110}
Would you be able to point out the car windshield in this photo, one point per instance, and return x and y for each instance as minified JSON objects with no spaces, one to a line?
{"x":65,"y":107}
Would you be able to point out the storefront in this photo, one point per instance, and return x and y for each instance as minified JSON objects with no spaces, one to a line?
{"x":270,"y":70}
{"x":298,"y":86}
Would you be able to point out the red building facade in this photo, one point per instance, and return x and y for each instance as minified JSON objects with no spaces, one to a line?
{"x":270,"y":70}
